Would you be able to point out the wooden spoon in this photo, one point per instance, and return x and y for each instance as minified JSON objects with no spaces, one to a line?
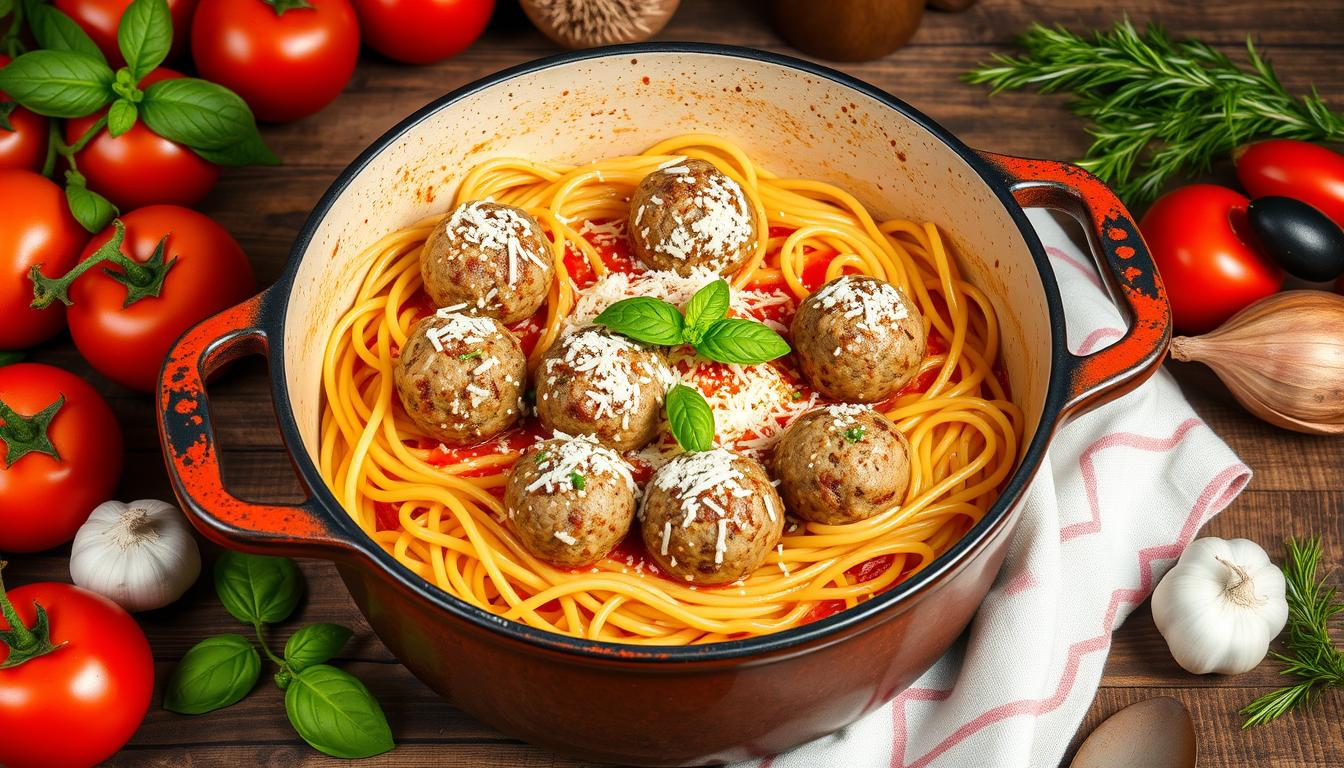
{"x":1154,"y":733}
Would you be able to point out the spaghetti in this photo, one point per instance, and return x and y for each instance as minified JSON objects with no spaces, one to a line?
{"x":439,"y":511}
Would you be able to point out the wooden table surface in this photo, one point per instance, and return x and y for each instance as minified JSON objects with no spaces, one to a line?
{"x":1296,"y":489}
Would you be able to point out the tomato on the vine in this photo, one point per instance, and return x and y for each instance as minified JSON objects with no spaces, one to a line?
{"x":60,"y":455}
{"x":1199,"y":239}
{"x":35,"y":228}
{"x":140,"y":167}
{"x":24,"y":143}
{"x":100,"y":18}
{"x":286,"y":58}
{"x":200,"y":270}
{"x":422,"y":31}
{"x":1297,"y":169}
{"x":79,"y":679}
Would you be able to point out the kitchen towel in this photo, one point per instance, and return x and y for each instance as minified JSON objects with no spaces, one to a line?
{"x":1123,"y":490}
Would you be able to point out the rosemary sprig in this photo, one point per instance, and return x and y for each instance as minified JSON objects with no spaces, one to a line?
{"x":1311,"y":655}
{"x":1158,"y":108}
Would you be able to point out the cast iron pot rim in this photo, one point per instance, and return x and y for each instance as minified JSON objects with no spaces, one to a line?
{"x":277,"y":307}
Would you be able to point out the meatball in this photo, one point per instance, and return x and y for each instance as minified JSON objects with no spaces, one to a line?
{"x":711,"y":517}
{"x":595,"y":383}
{"x":841,"y":464}
{"x":691,"y":214}
{"x":461,"y":378}
{"x":858,"y":339}
{"x":493,"y":258}
{"x":570,"y":500}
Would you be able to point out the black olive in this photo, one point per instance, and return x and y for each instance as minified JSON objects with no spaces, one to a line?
{"x":1304,"y":241}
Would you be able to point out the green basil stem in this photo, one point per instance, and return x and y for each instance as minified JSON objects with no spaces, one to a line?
{"x":23,"y":435}
{"x":141,"y":279}
{"x":24,"y":642}
{"x":56,"y":145}
{"x":13,"y":46}
{"x":261,"y":640}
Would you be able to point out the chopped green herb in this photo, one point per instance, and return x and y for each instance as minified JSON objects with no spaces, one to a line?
{"x":542,"y":456}
{"x":469,"y":355}
{"x":854,"y":434}
{"x":577,"y":480}
{"x":795,"y":395}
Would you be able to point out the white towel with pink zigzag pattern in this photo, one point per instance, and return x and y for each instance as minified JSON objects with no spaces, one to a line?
{"x":1122,"y":492}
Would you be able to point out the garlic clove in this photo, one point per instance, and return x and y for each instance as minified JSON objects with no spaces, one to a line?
{"x":141,"y":555}
{"x":1282,"y":358}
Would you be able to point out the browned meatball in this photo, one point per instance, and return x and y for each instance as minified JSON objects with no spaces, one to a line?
{"x":460,"y":378}
{"x":841,"y":464}
{"x":691,"y":214}
{"x":595,"y":383}
{"x":858,"y":339}
{"x":570,"y":500}
{"x":711,"y":517}
{"x":493,"y":258}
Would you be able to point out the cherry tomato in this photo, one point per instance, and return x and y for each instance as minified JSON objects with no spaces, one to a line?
{"x":25,"y":145}
{"x":1199,"y":237}
{"x":286,"y":61}
{"x":140,"y":167}
{"x":45,"y":498}
{"x":76,"y":705}
{"x":35,"y":228}
{"x":422,"y":31}
{"x":100,"y":18}
{"x":128,"y":344}
{"x":1296,"y":169}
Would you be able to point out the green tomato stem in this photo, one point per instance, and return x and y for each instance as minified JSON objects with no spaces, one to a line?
{"x":22,"y":435}
{"x":24,"y":643}
{"x":141,"y":279}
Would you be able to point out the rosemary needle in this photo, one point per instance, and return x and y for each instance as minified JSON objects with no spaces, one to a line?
{"x":1310,"y":654}
{"x":1158,"y":108}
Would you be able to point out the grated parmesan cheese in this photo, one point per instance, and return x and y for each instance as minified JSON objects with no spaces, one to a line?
{"x":566,"y":537}
{"x":718,"y":221}
{"x":494,"y":228}
{"x":872,"y":304}
{"x":616,"y":380}
{"x":569,"y":455}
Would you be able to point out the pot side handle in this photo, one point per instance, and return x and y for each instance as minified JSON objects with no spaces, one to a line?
{"x":1126,"y":268}
{"x":187,"y":436}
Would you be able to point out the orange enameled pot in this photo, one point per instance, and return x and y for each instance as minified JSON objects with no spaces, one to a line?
{"x":666,"y":705}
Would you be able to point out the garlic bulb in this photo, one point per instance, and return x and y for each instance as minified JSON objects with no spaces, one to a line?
{"x":1220,"y":606}
{"x":589,"y":23}
{"x":1282,"y":358}
{"x":141,"y":555}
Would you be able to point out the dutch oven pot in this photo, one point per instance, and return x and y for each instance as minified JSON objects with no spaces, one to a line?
{"x":667,"y":705}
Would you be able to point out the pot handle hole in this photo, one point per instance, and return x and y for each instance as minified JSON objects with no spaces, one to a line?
{"x":1126,"y":268}
{"x":190,"y":449}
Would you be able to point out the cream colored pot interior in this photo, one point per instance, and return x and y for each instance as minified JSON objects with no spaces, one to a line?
{"x":794,"y":123}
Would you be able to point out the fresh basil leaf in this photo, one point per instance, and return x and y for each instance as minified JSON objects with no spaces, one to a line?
{"x":315,"y":644}
{"x":691,"y":418}
{"x":204,"y":116}
{"x":652,"y":321}
{"x":58,"y":83}
{"x":250,"y":151}
{"x":57,"y":32}
{"x":747,"y":342}
{"x":707,"y":305}
{"x":144,"y":36}
{"x":336,"y":714}
{"x":120,"y":117}
{"x":90,"y":209}
{"x":215,"y":673}
{"x":256,"y":589}
{"x":6,"y":109}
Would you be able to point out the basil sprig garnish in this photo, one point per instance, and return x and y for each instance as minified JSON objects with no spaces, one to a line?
{"x":330,"y":709}
{"x":70,"y":78}
{"x":690,"y":418}
{"x":705,"y":326}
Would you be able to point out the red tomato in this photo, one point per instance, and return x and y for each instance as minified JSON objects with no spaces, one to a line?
{"x":285,"y":65}
{"x":1296,"y":169}
{"x":74,"y":706}
{"x":26,"y":145}
{"x":422,"y":31}
{"x":140,"y":167}
{"x":1199,"y":238}
{"x":128,"y":344}
{"x":44,"y":499}
{"x":35,"y":228}
{"x":100,"y":18}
